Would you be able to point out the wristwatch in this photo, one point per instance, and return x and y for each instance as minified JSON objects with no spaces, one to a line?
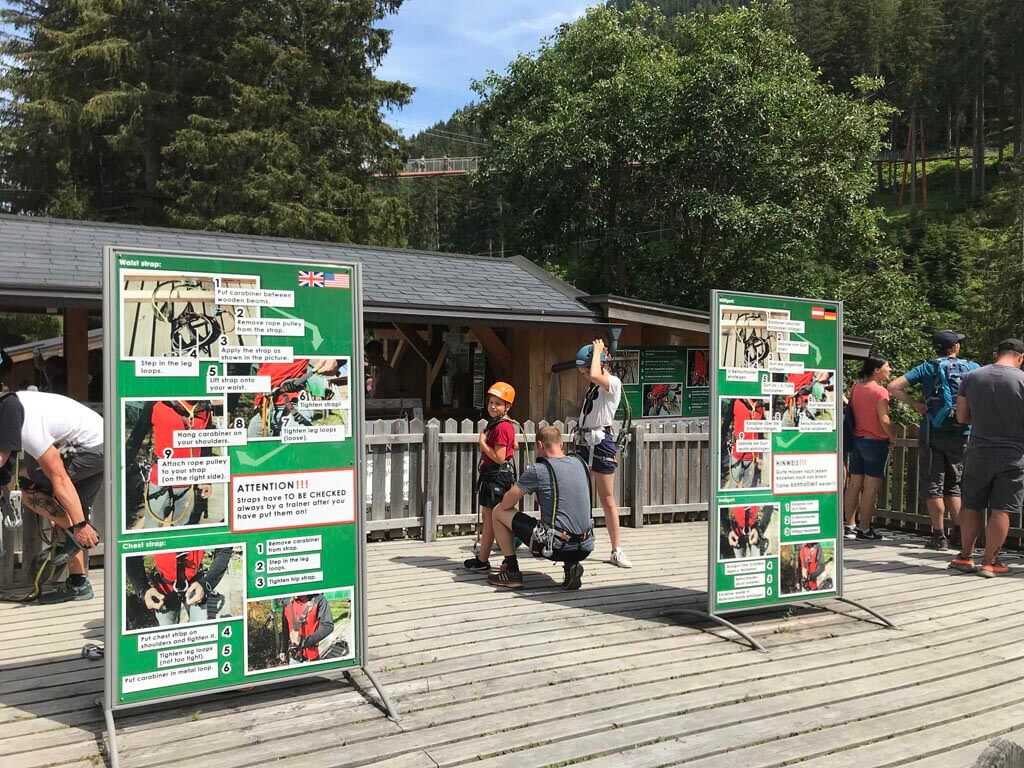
{"x":79,"y":525}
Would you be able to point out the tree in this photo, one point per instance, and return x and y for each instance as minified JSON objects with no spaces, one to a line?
{"x":251,"y":115}
{"x":659,"y":160}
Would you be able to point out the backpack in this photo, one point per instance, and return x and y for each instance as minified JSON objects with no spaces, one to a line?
{"x":941,"y":400}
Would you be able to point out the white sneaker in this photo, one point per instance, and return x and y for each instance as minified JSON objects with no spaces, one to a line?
{"x":619,"y":558}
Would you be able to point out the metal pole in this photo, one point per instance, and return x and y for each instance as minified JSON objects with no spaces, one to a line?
{"x":115,"y":760}
{"x":718,"y":620}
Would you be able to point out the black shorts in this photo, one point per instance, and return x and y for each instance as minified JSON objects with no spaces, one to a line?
{"x":84,"y":467}
{"x":494,"y":482}
{"x":522,"y":528}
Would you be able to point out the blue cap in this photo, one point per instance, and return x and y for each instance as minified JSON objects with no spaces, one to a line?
{"x":585,"y":356}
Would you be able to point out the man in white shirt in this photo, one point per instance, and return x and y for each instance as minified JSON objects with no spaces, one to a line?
{"x":63,"y":443}
{"x":597,"y":440}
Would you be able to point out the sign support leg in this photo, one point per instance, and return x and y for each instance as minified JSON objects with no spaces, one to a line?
{"x":392,"y":710}
{"x":754,"y":645}
{"x":108,"y":716}
{"x":864,"y":608}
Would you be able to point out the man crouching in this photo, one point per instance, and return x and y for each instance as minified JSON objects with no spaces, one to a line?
{"x":564,"y":533}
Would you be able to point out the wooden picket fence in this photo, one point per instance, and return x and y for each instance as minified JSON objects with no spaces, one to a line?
{"x":421,"y":482}
{"x":900,"y":504}
{"x":422,"y":476}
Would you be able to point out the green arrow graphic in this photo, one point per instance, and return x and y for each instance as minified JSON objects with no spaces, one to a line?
{"x":812,"y":345}
{"x":318,"y":338}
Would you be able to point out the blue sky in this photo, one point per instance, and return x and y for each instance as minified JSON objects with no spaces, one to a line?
{"x":439,"y":46}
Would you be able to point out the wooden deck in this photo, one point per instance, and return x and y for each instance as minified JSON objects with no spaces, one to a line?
{"x":597,"y":677}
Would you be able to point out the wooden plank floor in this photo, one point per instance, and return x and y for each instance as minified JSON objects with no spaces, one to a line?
{"x":599,"y":677}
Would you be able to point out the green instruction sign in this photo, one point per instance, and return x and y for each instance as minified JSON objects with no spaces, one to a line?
{"x":664,"y":381}
{"x":774,"y":517}
{"x":234,"y":543}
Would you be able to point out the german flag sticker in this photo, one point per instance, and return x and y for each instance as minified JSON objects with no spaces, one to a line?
{"x":820,"y":313}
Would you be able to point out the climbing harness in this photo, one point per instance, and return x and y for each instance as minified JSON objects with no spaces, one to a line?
{"x":507,"y":466}
{"x":542,"y":542}
{"x":193,"y":332}
{"x":169,"y":495}
{"x":188,"y":570}
{"x":750,"y":329}
{"x":275,"y":415}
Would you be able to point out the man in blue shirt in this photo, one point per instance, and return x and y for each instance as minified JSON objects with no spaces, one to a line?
{"x":942,"y":439}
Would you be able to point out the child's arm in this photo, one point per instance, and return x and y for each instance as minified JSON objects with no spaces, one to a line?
{"x":596,"y":373}
{"x":497,"y":452}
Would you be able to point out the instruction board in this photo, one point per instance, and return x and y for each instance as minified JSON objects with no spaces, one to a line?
{"x":663,"y":381}
{"x":776,"y":438}
{"x":234,"y":539}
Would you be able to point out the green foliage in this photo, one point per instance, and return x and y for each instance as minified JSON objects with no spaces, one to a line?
{"x":247,"y":116}
{"x":23,"y":327}
{"x":660,"y":159}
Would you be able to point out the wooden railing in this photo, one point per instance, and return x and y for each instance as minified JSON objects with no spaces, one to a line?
{"x":421,"y":482}
{"x":900,"y":504}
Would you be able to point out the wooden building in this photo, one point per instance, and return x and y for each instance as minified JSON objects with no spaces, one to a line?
{"x":449,"y":323}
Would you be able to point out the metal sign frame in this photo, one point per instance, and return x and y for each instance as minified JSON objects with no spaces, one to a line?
{"x":111,"y":358}
{"x":715,"y":435}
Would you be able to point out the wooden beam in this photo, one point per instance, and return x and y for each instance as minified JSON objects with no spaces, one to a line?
{"x":499,"y":354}
{"x":400,"y":351}
{"x":435,"y":369}
{"x":76,"y":352}
{"x":419,"y":346}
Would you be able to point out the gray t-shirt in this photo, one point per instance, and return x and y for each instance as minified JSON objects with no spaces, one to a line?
{"x":995,"y":395}
{"x":573,"y":493}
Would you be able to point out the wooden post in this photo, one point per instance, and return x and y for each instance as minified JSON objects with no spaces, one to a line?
{"x":76,"y":352}
{"x":432,"y":472}
{"x":635,"y":479}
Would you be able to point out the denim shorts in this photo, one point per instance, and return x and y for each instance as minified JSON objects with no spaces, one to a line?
{"x":869,"y":457}
{"x":602,"y":458}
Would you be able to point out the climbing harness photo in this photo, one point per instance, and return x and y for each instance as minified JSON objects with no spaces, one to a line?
{"x":151,"y":426}
{"x":745,"y":339}
{"x":813,"y":398}
{"x":304,"y":392}
{"x":300,"y":629}
{"x":177,"y":315}
{"x":747,"y":531}
{"x":742,"y":464}
{"x":167,"y":588}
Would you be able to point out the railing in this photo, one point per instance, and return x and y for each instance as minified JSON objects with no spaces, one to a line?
{"x":421,"y":482}
{"x":900,"y":504}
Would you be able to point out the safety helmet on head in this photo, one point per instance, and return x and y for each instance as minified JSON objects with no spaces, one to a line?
{"x":585,"y":356}
{"x":503,"y":391}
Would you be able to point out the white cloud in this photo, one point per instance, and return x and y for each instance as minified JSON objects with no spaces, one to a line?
{"x":439,"y":46}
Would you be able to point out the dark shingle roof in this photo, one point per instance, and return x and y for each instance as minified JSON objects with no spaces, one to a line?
{"x":54,"y":258}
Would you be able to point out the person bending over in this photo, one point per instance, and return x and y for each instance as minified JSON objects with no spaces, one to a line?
{"x":564,"y":532}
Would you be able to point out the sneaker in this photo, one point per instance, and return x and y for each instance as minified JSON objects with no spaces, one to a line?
{"x":938,"y":541}
{"x":870,"y":534}
{"x":65,"y":593}
{"x":962,"y":564}
{"x":506,"y":578}
{"x":476,"y":564}
{"x":573,"y":576}
{"x":849,"y":532}
{"x":991,"y":571}
{"x":619,"y":558}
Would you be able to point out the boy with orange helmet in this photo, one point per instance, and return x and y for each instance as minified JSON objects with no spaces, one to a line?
{"x":497,"y":469}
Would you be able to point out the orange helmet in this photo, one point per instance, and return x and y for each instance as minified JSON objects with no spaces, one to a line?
{"x":503,"y":391}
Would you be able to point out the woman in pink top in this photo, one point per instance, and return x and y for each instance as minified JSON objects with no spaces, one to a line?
{"x":869,"y":454}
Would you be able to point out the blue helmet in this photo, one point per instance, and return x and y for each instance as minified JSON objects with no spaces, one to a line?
{"x":585,"y":356}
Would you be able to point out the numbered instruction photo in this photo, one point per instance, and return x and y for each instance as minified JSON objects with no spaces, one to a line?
{"x":746,"y":445}
{"x":297,"y":630}
{"x":306,"y":400}
{"x":808,"y":567}
{"x":185,"y":586}
{"x":750,"y":338}
{"x":182,"y":314}
{"x":748,"y":531}
{"x":809,"y":402}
